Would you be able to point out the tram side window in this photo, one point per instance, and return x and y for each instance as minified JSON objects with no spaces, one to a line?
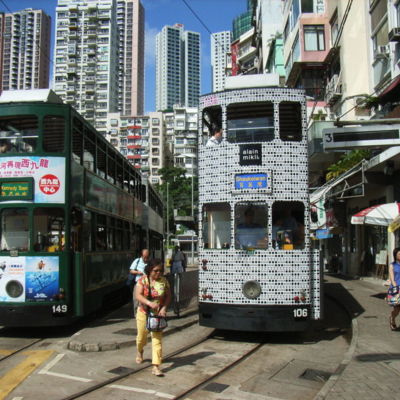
{"x":288,"y":225}
{"x":76,"y":230}
{"x":290,"y":121}
{"x":250,"y":122}
{"x":48,"y":229}
{"x":14,"y":229}
{"x":53,"y":133}
{"x":212,"y":118}
{"x":18,"y":134}
{"x":251,"y":222}
{"x":101,"y":233}
{"x":217,"y":226}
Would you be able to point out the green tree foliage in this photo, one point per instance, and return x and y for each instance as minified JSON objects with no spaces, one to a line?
{"x":179,"y":192}
{"x":346,"y":162}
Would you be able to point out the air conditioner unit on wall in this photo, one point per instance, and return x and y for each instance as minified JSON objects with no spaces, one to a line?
{"x":394,"y":35}
{"x":382,"y":51}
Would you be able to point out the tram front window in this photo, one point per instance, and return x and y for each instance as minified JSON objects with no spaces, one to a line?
{"x":288,"y":225}
{"x":217,"y":226}
{"x":14,"y":229}
{"x":250,"y":122}
{"x":251,"y":226}
{"x":48,"y":229}
{"x":18,"y":134}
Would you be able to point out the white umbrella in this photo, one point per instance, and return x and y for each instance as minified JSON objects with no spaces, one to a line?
{"x":382,"y":214}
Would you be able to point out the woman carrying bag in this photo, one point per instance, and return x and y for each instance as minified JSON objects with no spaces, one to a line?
{"x":153,"y":294}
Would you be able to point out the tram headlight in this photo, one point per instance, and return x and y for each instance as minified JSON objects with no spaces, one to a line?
{"x":251,"y":289}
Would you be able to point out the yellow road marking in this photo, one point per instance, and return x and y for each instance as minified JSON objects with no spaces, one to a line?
{"x":5,"y":352}
{"x":15,"y":376}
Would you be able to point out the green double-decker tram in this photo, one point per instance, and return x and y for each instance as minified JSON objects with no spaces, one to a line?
{"x":73,"y":213}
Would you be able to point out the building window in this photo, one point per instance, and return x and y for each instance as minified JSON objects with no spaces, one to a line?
{"x":314,"y":38}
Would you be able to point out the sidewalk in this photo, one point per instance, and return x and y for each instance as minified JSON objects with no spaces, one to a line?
{"x":118,"y":329}
{"x":371,"y":367}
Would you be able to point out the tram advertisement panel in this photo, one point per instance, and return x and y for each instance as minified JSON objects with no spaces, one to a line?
{"x":32,"y":279}
{"x":48,"y":174}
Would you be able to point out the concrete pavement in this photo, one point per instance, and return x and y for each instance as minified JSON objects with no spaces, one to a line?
{"x":370,"y":368}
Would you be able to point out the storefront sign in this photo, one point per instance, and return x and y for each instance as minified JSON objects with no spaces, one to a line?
{"x":323,"y":234}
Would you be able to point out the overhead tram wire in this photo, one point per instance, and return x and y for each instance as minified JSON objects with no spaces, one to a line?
{"x":6,"y":6}
{"x":202,"y":23}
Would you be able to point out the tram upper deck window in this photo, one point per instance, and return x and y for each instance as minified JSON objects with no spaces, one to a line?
{"x":217,"y":226}
{"x":250,"y":122}
{"x":18,"y":134}
{"x":48,"y":229}
{"x":288,"y":225}
{"x":290,"y":121}
{"x":53,"y":133}
{"x":14,"y":229}
{"x":212,"y":117}
{"x":251,"y":221}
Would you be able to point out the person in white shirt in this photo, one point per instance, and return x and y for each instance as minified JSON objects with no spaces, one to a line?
{"x":216,"y":137}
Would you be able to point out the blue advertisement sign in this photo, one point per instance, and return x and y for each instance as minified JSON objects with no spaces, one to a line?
{"x":323,"y":234}
{"x":251,"y":181}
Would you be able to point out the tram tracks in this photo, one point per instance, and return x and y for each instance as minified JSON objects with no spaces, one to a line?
{"x":133,"y":380}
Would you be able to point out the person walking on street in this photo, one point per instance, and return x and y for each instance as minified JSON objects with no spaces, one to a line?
{"x":394,"y":277}
{"x":154,"y":283}
{"x":178,"y":261}
{"x":136,"y":270}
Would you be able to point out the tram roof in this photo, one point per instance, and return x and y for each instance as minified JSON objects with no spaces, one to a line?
{"x":34,"y":95}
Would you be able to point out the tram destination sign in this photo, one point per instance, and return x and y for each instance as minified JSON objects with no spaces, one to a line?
{"x":251,"y":181}
{"x":16,"y":189}
{"x":250,"y":154}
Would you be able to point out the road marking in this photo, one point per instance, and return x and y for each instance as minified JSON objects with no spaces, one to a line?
{"x":52,"y":363}
{"x":15,"y":376}
{"x":17,"y":398}
{"x":5,"y":352}
{"x":140,"y":390}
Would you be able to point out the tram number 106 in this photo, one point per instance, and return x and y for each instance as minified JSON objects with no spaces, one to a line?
{"x":300,"y":312}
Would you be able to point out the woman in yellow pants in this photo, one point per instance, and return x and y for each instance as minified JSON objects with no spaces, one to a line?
{"x":159,"y":300}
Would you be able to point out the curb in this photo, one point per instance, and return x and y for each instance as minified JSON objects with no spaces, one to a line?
{"x":348,"y":356}
{"x":78,"y":346}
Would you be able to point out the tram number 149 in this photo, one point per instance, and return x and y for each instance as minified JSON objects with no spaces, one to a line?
{"x":60,"y":309}
{"x":300,"y":312}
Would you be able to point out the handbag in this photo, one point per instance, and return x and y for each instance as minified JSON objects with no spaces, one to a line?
{"x":393,"y":296}
{"x":154,"y":323}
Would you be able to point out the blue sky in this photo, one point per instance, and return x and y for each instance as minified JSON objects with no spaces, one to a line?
{"x":217,"y":15}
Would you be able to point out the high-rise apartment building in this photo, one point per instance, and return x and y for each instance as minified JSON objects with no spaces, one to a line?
{"x":220,"y":46}
{"x":98,"y":61}
{"x":130,"y":21}
{"x":177,"y":67}
{"x":24,"y":50}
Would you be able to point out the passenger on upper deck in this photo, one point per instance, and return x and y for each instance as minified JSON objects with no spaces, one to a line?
{"x":216,"y":137}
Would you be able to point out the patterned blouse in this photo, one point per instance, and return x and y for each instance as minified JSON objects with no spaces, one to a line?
{"x":159,"y":289}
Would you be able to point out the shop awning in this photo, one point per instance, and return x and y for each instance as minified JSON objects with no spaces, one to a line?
{"x":382,"y":214}
{"x":394,"y":225}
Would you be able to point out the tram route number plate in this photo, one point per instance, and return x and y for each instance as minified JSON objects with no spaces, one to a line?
{"x":300,"y":313}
